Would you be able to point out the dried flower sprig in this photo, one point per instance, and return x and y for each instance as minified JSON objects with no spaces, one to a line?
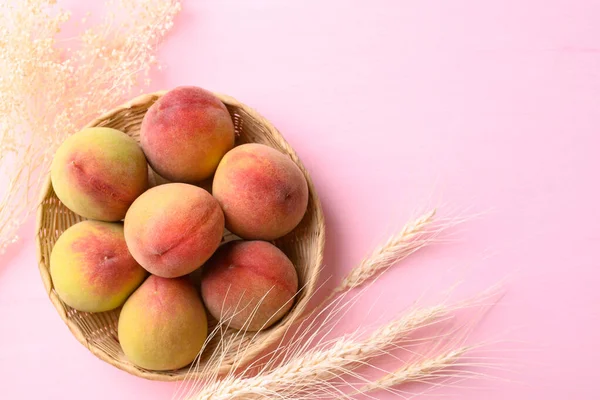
{"x":51,"y":86}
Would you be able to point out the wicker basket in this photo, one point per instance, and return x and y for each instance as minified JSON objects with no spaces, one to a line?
{"x":98,"y":331}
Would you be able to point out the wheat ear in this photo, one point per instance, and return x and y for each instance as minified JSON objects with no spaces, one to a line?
{"x":421,"y":371}
{"x":413,"y":236}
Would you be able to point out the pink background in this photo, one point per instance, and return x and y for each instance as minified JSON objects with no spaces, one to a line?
{"x":481,"y":106}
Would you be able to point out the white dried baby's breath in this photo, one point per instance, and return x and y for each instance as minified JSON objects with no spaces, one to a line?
{"x":51,"y":86}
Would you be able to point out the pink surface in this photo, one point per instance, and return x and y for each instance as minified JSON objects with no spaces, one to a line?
{"x":483,"y":106}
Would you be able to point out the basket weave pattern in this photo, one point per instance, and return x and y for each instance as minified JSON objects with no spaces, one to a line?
{"x":98,"y":331}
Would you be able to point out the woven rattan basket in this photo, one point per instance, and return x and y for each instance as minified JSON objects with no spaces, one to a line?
{"x":98,"y":331}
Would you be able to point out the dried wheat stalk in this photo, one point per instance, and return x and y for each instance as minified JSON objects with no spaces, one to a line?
{"x":328,"y":369}
{"x":413,"y":236}
{"x":310,"y":365}
{"x":51,"y":86}
{"x":421,"y":372}
{"x":313,"y":371}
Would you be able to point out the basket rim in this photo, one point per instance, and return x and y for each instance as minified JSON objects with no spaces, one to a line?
{"x":273,"y":334}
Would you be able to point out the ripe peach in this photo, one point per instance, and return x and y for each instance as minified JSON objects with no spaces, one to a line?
{"x":163,"y":324}
{"x":91,"y":268}
{"x":172,"y":229}
{"x":186,"y":133}
{"x":249,"y":285}
{"x":98,"y":172}
{"x":263,"y":193}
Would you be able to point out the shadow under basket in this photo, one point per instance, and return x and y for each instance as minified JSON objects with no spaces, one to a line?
{"x":98,"y":331}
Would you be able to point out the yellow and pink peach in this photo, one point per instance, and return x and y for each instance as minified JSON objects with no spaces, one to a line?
{"x":163,"y":325}
{"x":91,"y":268}
{"x":172,"y":229}
{"x":98,"y":172}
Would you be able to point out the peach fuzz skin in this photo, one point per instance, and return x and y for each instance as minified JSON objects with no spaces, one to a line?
{"x":249,"y":285}
{"x":91,"y":268}
{"x":98,"y":172}
{"x":186,"y":133}
{"x":172,"y":229}
{"x":163,"y":324}
{"x":262,"y":192}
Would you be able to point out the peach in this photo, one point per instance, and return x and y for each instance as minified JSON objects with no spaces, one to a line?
{"x":248,"y":285}
{"x":263,"y":193}
{"x":98,"y":172}
{"x":186,"y":133}
{"x":91,"y":268}
{"x":163,"y":324}
{"x":172,"y":229}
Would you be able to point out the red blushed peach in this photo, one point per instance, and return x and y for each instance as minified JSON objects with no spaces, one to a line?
{"x":186,"y":133}
{"x":249,"y":285}
{"x":163,"y":324}
{"x":98,"y":172}
{"x":172,"y":229}
{"x":91,"y":268}
{"x":263,"y":193}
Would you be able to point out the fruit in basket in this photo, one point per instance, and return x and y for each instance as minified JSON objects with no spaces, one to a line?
{"x":91,"y":268}
{"x":172,"y":229}
{"x":263,"y":193}
{"x":163,"y":325}
{"x":249,"y":285}
{"x":98,"y":172}
{"x":186,"y":133}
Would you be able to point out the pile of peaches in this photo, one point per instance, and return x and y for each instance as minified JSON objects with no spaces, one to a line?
{"x":139,"y":247}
